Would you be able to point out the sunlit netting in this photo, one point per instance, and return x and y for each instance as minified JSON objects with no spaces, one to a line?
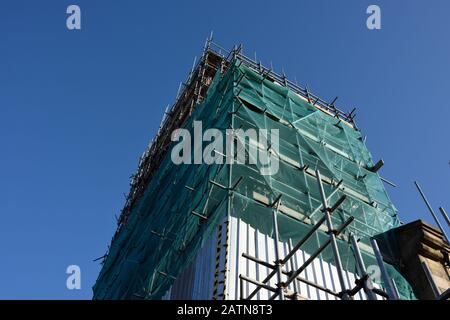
{"x":163,"y":235}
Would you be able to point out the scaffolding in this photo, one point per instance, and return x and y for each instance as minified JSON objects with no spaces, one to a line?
{"x":171,"y":211}
{"x":281,"y":291}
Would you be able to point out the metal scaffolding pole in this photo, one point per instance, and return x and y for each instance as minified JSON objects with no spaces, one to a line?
{"x":367,"y":283}
{"x":386,"y":279}
{"x":295,"y":274}
{"x":444,"y":214}
{"x":430,"y":279}
{"x":257,"y":283}
{"x":288,"y":273}
{"x":266,"y":279}
{"x":291,"y":253}
{"x":278,"y":261}
{"x":445,"y":295}
{"x":304,"y":239}
{"x":332,"y":235}
{"x":293,"y":267}
{"x":394,"y":285}
{"x":431,"y":210}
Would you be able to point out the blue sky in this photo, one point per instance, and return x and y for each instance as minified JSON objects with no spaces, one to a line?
{"x":77,"y":108}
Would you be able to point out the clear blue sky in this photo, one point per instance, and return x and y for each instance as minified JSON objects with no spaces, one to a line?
{"x":77,"y":108}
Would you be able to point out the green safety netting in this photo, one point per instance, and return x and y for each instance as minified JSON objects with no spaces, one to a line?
{"x":162,"y":236}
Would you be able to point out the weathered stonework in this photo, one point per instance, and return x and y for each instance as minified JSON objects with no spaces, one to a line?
{"x":419,"y":243}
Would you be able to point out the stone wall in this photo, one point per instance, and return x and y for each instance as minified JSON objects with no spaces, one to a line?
{"x":420,"y":243}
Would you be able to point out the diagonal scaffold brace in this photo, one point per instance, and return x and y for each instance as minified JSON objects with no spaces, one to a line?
{"x":277,"y":267}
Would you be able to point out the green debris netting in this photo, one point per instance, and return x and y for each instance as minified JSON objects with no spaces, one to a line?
{"x":162,"y":236}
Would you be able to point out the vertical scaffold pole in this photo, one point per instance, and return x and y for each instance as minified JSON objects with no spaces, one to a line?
{"x":332,"y":235}
{"x":277,"y":253}
{"x":241,"y":288}
{"x":386,"y":279}
{"x":362,"y":270}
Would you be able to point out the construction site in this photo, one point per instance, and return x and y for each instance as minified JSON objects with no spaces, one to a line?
{"x":322,"y":227}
